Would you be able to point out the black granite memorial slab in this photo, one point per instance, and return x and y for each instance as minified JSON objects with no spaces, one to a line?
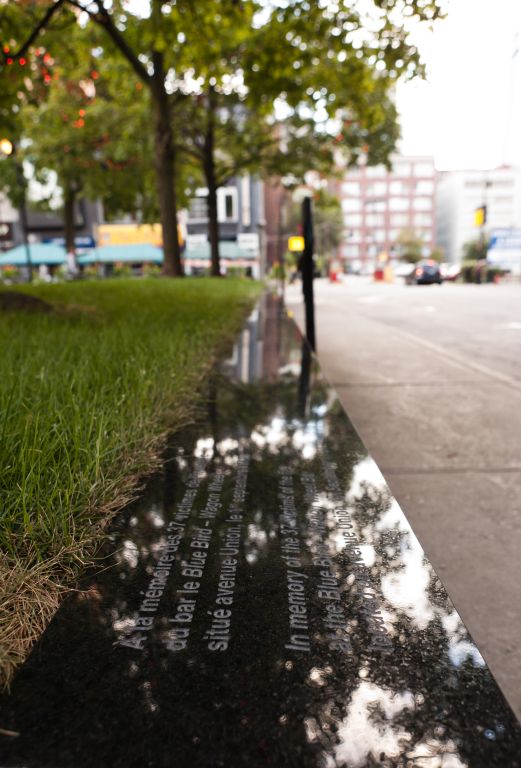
{"x":264,"y":604}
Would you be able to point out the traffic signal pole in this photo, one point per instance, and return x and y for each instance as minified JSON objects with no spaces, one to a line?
{"x":307,"y":271}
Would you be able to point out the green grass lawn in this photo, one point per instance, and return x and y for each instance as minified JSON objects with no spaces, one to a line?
{"x":86,"y":393}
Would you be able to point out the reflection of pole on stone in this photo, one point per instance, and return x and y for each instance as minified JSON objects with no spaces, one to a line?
{"x":304,"y":378}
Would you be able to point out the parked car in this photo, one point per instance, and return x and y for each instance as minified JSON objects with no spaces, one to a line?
{"x":425,"y":273}
{"x":450,"y":271}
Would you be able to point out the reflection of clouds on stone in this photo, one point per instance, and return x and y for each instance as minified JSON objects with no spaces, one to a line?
{"x":155,"y":516}
{"x":305,"y":440}
{"x":318,"y":675}
{"x":365,"y":473}
{"x":128,"y":553}
{"x":368,"y":730}
{"x":460,"y":649}
{"x":228,"y":445}
{"x":293,"y":369}
{"x":436,"y":754}
{"x":255,"y":538}
{"x":204,"y":448}
{"x":368,"y":554}
{"x":127,"y":623}
{"x":406,"y":589}
{"x":272,"y":436}
{"x":463,"y":650}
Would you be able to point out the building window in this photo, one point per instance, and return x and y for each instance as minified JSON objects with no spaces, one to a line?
{"x":423,"y":219}
{"x":375,"y":171}
{"x":227,"y":204}
{"x":398,"y":204}
{"x":399,"y":220}
{"x":375,"y":219}
{"x":424,"y":187}
{"x":351,"y":204}
{"x":402,"y":169}
{"x":353,"y":220}
{"x":377,"y":188}
{"x":198,"y":210}
{"x":399,"y":188}
{"x":422,"y":204}
{"x":375,"y":205}
{"x":351,"y":188}
{"x":423,"y":169}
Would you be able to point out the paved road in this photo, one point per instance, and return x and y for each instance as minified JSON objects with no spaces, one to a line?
{"x":431,"y":377}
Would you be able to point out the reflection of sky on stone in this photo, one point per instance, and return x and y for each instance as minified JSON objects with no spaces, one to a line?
{"x":129,"y":554}
{"x":366,"y":737}
{"x":227,"y":446}
{"x":204,"y":448}
{"x":364,"y":472}
{"x":406,"y":588}
{"x":255,"y":538}
{"x":363,"y":739}
{"x":460,"y":649}
{"x":155,"y":516}
{"x":305,"y":440}
{"x":291,"y":368}
{"x":274,"y":435}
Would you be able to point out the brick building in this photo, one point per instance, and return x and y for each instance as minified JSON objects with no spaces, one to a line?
{"x":379,"y":204}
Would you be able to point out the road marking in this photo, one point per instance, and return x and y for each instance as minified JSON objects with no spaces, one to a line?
{"x":514,"y":326}
{"x":503,"y":378}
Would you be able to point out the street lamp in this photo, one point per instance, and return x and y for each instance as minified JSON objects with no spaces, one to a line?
{"x":7,"y":149}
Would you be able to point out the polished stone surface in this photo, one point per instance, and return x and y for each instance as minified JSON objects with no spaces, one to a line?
{"x":265,"y":604}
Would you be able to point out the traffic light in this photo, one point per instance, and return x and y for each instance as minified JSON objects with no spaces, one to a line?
{"x":480,"y":216}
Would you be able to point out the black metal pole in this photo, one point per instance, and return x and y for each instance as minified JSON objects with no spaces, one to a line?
{"x":307,"y":271}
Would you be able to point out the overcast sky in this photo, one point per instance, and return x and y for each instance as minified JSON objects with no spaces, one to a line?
{"x":468,"y":113}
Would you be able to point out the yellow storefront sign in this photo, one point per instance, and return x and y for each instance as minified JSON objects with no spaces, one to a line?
{"x":132,"y":234}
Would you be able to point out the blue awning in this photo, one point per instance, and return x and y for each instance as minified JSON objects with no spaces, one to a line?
{"x":129,"y":254}
{"x":41,"y":253}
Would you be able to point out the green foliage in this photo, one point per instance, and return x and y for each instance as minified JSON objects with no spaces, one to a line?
{"x":476,"y":271}
{"x":409,"y":246}
{"x":437,"y":254}
{"x":328,"y":223}
{"x":475,"y":250}
{"x":217,"y":68}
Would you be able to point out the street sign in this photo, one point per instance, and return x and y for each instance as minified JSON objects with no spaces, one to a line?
{"x":504,"y":249}
{"x":249,"y":241}
{"x":296,"y":243}
{"x":505,"y":239}
{"x":80,"y":241}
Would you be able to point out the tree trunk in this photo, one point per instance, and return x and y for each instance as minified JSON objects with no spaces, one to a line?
{"x":69,"y":229}
{"x":213,"y":222}
{"x":211,"y":183}
{"x":165,"y":171}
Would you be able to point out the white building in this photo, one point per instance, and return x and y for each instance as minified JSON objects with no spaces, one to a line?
{"x":459,"y":193}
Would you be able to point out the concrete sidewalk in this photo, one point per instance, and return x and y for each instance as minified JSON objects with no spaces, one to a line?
{"x":444,"y":428}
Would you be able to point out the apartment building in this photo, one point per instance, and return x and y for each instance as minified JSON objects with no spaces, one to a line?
{"x":379,"y":204}
{"x":240,"y":211}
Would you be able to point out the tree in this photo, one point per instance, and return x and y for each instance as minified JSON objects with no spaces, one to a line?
{"x":88,"y":137}
{"x":410,"y":246}
{"x":475,"y":250}
{"x":322,"y":63}
{"x":328,"y":223}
